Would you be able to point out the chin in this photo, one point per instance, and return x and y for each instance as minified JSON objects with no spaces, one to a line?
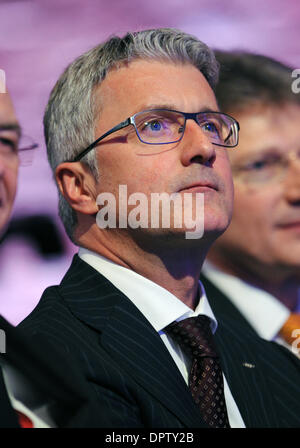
{"x":215,"y":225}
{"x":289,"y":263}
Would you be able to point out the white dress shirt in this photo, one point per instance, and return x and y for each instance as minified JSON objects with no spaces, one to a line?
{"x":265,"y":313}
{"x":160,"y":308}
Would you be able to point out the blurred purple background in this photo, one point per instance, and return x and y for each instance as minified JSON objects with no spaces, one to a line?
{"x":39,"y":38}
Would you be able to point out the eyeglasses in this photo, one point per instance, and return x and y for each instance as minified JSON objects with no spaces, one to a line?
{"x":164,"y":126}
{"x":266,"y":168}
{"x":12,"y":146}
{"x":26,"y":150}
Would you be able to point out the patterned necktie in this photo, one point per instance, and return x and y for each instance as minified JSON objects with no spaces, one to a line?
{"x":195,"y":337}
{"x":293,"y":323}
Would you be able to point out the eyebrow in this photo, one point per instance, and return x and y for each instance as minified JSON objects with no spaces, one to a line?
{"x":260,"y":153}
{"x":268,"y":150}
{"x":11,"y":127}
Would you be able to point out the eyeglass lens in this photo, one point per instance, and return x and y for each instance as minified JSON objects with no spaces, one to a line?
{"x":165,"y":126}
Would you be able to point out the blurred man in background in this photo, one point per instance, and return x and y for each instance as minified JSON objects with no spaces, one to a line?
{"x":256,"y":262}
{"x":34,"y":388}
{"x":9,"y":160}
{"x":9,"y":163}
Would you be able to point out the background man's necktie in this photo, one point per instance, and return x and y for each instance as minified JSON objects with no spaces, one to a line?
{"x":195,"y":338}
{"x":293,"y":323}
{"x":24,"y":421}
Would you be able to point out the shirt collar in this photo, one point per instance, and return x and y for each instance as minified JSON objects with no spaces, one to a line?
{"x":159,"y":306}
{"x":265,"y":313}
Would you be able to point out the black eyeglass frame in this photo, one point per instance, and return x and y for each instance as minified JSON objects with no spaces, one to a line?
{"x":130,"y":121}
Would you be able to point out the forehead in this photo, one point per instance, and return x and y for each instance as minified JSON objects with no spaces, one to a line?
{"x":267,"y":128}
{"x":146,"y":84}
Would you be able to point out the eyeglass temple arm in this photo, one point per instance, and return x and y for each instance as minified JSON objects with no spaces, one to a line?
{"x":92,"y":145}
{"x":237,"y":126}
{"x":27,"y":148}
{"x":228,"y":136}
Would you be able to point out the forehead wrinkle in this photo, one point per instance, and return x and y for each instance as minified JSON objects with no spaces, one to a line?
{"x":170,"y":106}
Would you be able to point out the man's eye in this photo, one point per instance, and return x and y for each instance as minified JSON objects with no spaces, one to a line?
{"x":6,"y":144}
{"x":210,"y":127}
{"x":259,"y":165}
{"x":154,"y":125}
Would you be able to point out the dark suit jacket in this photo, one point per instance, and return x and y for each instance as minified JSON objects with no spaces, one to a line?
{"x":223,"y":306}
{"x":130,"y":371}
{"x":8,"y":416}
{"x":43,"y":376}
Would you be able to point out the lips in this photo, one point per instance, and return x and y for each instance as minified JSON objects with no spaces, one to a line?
{"x":290,"y":225}
{"x":199,"y":186}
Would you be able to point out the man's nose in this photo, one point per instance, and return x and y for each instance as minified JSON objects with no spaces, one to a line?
{"x":196,"y":146}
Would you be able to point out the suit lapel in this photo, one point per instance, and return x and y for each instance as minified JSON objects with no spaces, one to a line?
{"x":128,"y":337}
{"x":245,"y":378}
{"x":239,"y":346}
{"x":132,"y":341}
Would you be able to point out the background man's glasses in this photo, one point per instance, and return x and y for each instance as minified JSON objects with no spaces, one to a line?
{"x":11,"y":146}
{"x":266,"y":168}
{"x":164,"y":126}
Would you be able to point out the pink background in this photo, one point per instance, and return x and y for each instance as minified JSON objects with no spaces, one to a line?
{"x":39,"y":38}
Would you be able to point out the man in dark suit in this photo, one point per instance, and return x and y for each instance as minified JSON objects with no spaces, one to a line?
{"x":256,"y":262}
{"x":128,"y":120}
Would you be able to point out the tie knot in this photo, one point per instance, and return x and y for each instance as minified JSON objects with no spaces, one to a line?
{"x":194,"y":336}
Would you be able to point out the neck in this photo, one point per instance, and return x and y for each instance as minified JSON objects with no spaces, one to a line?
{"x":174,"y":265}
{"x":282,"y":283}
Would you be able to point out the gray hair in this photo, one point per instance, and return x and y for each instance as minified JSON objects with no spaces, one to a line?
{"x":72,"y":110}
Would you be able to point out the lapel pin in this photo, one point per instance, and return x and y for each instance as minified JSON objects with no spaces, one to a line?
{"x":249,"y":365}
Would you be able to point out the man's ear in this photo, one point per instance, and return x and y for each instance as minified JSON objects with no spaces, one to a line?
{"x":77,"y":185}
